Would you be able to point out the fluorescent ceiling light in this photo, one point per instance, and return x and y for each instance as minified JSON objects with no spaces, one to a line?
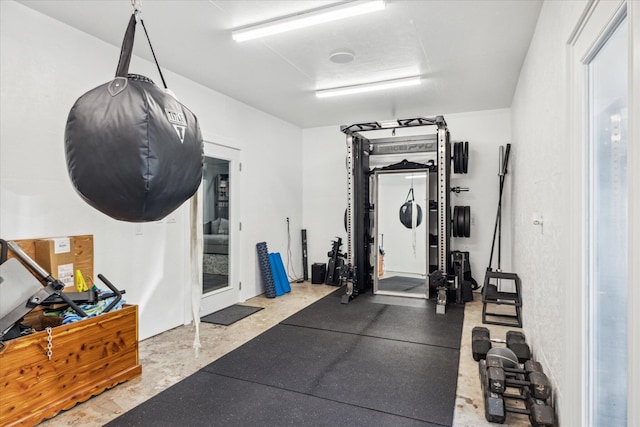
{"x":307,"y":19}
{"x":369,"y":87}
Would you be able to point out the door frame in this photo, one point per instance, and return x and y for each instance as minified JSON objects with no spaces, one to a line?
{"x":229,"y":295}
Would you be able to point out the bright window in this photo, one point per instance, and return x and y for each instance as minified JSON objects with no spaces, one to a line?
{"x":607,"y":225}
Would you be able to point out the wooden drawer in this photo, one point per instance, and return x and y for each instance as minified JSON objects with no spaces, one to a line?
{"x":88,"y":357}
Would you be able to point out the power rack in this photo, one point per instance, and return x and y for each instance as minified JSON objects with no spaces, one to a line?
{"x":357,"y":275}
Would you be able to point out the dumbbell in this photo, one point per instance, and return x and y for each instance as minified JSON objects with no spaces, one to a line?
{"x":517,"y":342}
{"x":540,"y":414}
{"x":503,"y":371}
{"x":496,"y":409}
{"x":481,"y":344}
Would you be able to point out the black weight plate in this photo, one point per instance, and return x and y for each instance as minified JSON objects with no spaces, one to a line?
{"x":458,"y":157}
{"x":454,"y":157}
{"x":460,"y":221}
{"x":454,"y":222}
{"x":465,"y":157}
{"x":345,"y":220}
{"x":467,"y":221}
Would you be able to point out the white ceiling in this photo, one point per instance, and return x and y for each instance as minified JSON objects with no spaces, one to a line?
{"x":469,"y":53}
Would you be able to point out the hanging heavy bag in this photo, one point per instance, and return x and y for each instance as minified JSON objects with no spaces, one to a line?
{"x":133,"y":151}
{"x":407,"y":211}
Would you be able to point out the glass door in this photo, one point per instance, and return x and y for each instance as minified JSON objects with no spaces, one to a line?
{"x":215,"y":230}
{"x":220,"y":287}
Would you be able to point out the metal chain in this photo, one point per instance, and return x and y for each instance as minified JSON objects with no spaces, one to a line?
{"x":49,"y":343}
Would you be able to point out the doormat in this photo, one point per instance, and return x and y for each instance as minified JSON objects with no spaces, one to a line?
{"x":230,"y":315}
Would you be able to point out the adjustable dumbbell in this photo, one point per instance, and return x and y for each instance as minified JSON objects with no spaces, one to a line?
{"x":481,"y":344}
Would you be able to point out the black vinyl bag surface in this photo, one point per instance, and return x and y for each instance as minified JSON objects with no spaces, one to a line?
{"x":406,"y":211}
{"x":133,"y":151}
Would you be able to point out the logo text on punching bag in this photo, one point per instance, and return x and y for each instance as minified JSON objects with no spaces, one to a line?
{"x":178,"y":122}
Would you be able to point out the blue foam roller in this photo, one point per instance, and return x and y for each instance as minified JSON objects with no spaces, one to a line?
{"x":265,"y":270}
{"x":286,"y":287}
{"x":277,"y":280}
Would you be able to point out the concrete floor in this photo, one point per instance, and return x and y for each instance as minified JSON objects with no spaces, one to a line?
{"x":170,"y":357}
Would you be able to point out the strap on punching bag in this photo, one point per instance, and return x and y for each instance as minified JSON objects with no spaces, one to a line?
{"x":127,"y":47}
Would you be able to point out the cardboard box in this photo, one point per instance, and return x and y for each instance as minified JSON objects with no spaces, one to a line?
{"x":56,"y":255}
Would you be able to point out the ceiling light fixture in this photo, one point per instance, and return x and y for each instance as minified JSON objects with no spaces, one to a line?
{"x":307,"y":19}
{"x":368,"y":87}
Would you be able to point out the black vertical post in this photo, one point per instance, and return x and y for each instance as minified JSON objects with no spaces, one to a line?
{"x":362,"y":229}
{"x":305,"y":262}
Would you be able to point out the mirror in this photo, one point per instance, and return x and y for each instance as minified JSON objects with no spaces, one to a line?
{"x":402,"y":259}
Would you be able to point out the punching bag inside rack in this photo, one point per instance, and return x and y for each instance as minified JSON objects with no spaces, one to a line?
{"x":133,"y":151}
{"x":407,"y":211}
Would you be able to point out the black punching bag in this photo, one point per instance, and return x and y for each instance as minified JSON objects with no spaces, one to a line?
{"x":407,"y":211}
{"x":133,"y":151}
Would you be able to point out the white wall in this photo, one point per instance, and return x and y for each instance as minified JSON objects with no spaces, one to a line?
{"x":45,"y":67}
{"x":325,"y":184}
{"x":542,"y":180}
{"x":398,"y":239}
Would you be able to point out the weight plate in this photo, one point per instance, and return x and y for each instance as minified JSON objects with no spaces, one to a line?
{"x":454,"y":221}
{"x":465,"y":157}
{"x":467,"y":221}
{"x":458,"y":158}
{"x":460,"y":221}
{"x":345,"y":220}
{"x":454,"y":157}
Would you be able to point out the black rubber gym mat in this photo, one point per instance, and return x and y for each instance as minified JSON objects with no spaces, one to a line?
{"x":230,"y":315}
{"x":373,"y":369}
{"x":365,"y":315}
{"x":396,"y":377}
{"x":205,"y":399}
{"x":403,"y":284}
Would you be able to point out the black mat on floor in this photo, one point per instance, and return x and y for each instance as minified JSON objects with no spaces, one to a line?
{"x":206,"y":400}
{"x":396,"y":318}
{"x":376,"y":366}
{"x":401,"y":378}
{"x":413,"y":285}
{"x":230,"y":315}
